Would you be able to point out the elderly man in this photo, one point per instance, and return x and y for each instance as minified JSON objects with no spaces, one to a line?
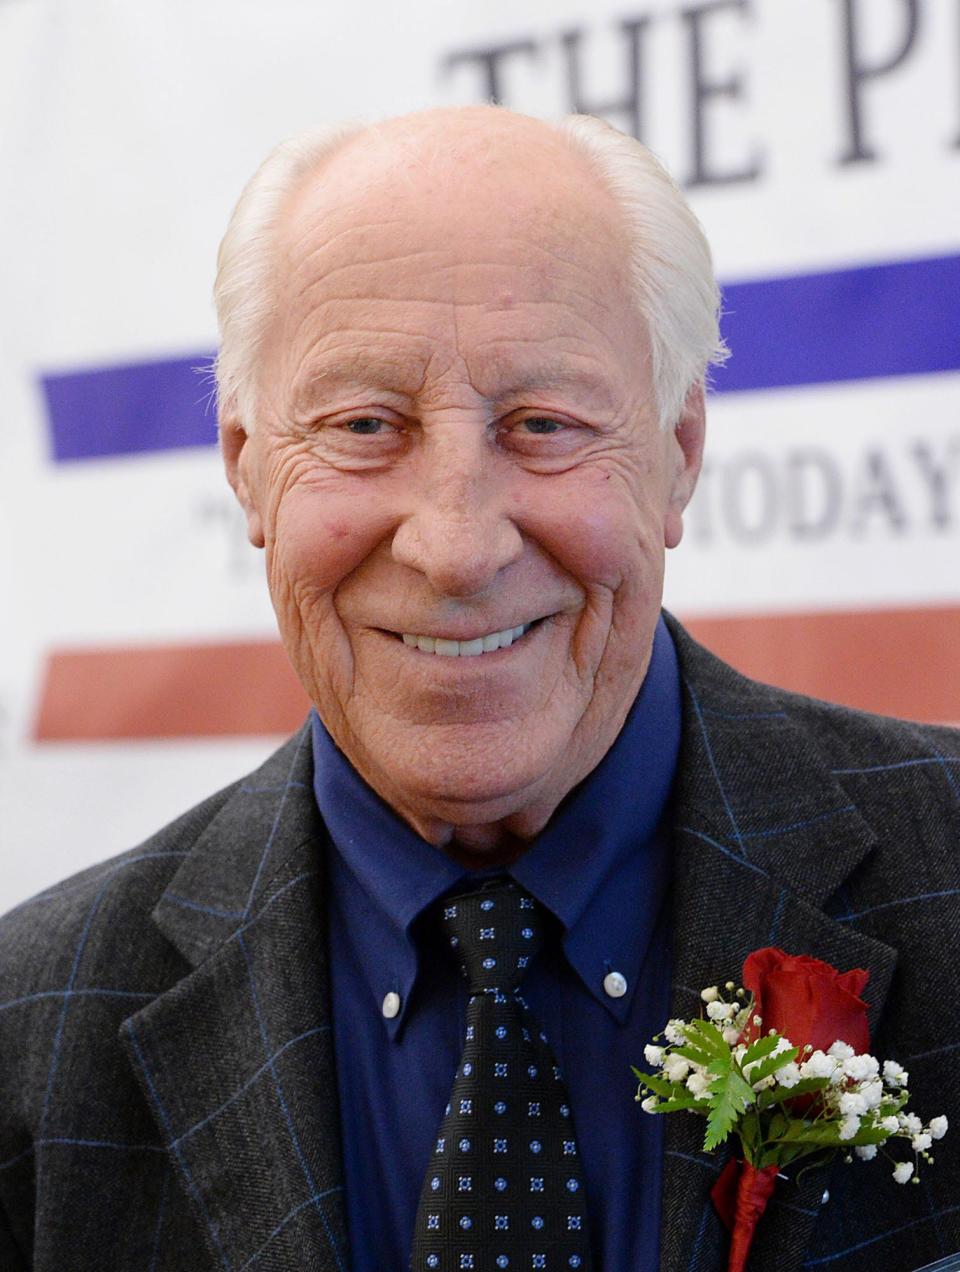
{"x":461,"y":405}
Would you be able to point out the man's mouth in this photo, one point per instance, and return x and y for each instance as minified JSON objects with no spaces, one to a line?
{"x":467,"y":648}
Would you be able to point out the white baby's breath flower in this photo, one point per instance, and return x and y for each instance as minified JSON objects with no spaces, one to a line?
{"x":840,"y":1050}
{"x":921,"y":1142}
{"x":789,"y":1075}
{"x":852,"y":1102}
{"x":860,"y":1068}
{"x":902,"y":1172}
{"x":890,"y":1124}
{"x":867,"y":1152}
{"x":911,"y":1123}
{"x":872,"y":1093}
{"x":766,"y":1083}
{"x":710,"y":994}
{"x":649,"y":1105}
{"x":818,"y":1065}
{"x":783,"y":1044}
{"x":676,"y":1068}
{"x":720,"y":1011}
{"x":730,"y":1035}
{"x":849,"y":1127}
{"x":894,"y":1074}
{"x":938,"y":1127}
{"x":697,"y":1084}
{"x":673,"y":1032}
{"x":653,"y":1055}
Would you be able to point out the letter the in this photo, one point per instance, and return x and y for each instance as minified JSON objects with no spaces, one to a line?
{"x":490,"y":60}
{"x":859,"y":72}
{"x":629,"y":105}
{"x":705,"y":89}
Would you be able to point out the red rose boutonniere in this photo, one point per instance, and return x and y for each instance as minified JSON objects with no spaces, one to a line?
{"x":808,"y":1001}
{"x":783,"y":1063}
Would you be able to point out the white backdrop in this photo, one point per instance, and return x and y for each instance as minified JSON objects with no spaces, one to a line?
{"x":819,"y":143}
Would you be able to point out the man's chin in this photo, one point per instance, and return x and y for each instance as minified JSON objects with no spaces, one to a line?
{"x":456,"y":784}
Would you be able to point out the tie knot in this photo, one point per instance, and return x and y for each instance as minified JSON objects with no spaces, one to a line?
{"x":494,"y":932}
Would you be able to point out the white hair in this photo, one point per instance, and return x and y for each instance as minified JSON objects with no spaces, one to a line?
{"x":671,"y":265}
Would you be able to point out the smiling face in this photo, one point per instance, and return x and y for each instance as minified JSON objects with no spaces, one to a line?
{"x":456,"y":469}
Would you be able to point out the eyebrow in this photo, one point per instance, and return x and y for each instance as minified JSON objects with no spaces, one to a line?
{"x":405,"y":377}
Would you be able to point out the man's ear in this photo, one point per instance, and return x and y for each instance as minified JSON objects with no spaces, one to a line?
{"x":686,"y":456}
{"x":235,"y":447}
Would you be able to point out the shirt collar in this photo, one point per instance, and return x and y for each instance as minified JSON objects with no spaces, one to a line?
{"x":599,"y":864}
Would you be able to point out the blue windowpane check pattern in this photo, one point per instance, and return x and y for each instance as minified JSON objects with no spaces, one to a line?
{"x":504,"y":1188}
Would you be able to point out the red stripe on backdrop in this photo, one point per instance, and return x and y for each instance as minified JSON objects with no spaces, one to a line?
{"x":897,"y":662}
{"x":903,"y":662}
{"x":169,"y":691}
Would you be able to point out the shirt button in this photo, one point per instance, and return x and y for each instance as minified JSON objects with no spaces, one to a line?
{"x":615,"y":984}
{"x":391,"y":1005}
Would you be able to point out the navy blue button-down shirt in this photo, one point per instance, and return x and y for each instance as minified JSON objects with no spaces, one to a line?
{"x":601,"y":867}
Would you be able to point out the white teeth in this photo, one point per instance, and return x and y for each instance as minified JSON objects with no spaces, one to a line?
{"x":466,"y":648}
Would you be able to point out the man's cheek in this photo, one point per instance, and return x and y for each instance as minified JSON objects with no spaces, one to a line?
{"x":601,"y":542}
{"x":310,"y":554}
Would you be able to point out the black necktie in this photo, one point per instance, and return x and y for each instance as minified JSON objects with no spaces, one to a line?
{"x":504,"y":1190}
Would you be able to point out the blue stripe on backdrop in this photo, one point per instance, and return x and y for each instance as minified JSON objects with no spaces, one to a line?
{"x":899,"y":318}
{"x":132,"y":408}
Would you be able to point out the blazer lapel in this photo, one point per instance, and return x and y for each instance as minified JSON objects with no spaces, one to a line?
{"x":236,"y":1060}
{"x":763,"y":836}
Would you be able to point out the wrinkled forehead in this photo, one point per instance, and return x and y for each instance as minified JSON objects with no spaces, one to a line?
{"x":513,"y":186}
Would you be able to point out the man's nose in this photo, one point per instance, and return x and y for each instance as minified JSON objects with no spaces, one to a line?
{"x":458,"y":532}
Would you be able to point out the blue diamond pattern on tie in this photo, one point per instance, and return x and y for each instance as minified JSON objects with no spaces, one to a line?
{"x":504,"y":1190}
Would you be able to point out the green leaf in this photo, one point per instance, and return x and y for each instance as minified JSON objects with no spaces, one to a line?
{"x":869,"y":1135}
{"x":787,"y":1154}
{"x":708,"y":1037}
{"x":682,"y":1102}
{"x":826,"y":1134}
{"x":693,"y":1054}
{"x":778,"y":1124}
{"x":777,"y":1094}
{"x":762,"y":1047}
{"x":720,"y":1066}
{"x":772,"y":1063}
{"x":730,"y":1095}
{"x":659,"y":1086}
{"x":749,"y":1137}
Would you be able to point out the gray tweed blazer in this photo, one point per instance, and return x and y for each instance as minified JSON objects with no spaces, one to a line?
{"x":167,"y":1086}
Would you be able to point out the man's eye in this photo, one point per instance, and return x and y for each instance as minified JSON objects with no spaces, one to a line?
{"x":368,"y":424}
{"x":540,"y":424}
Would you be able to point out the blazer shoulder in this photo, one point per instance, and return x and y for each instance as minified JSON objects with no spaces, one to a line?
{"x":97,"y":921}
{"x":872,"y":742}
{"x":847,"y":737}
